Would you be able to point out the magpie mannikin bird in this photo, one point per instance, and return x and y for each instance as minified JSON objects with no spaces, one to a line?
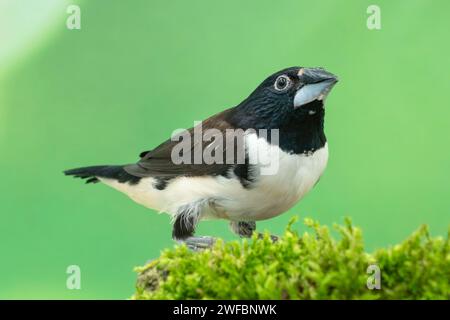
{"x":290,"y":102}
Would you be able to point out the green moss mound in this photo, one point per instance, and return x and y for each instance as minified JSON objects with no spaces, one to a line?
{"x":309,"y":266}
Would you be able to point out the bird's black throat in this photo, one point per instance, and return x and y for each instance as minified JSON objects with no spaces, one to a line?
{"x":301,"y":131}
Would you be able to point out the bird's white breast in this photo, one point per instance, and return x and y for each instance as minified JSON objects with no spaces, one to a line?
{"x":278,"y":185}
{"x":286,"y":179}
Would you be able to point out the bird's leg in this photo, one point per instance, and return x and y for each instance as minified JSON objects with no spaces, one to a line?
{"x":184,"y":226}
{"x":245,"y":229}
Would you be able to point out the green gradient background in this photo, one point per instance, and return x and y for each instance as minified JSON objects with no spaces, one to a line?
{"x":138,"y":70}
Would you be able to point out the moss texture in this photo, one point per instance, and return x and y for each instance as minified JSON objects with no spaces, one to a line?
{"x":309,"y":266}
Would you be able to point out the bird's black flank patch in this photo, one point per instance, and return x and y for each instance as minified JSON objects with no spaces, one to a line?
{"x":183,"y":227}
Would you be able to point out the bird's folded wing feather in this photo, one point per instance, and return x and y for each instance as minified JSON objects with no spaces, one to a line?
{"x":158,"y":162}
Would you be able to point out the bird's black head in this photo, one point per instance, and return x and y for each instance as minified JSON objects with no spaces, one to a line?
{"x":292,"y":94}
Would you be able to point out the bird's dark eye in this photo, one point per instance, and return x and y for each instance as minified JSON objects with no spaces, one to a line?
{"x":282,"y":83}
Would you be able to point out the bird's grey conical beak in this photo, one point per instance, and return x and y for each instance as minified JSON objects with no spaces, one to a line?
{"x":317,"y":83}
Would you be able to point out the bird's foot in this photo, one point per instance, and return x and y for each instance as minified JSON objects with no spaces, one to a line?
{"x":272,"y":237}
{"x":198,"y":243}
{"x":245,"y":229}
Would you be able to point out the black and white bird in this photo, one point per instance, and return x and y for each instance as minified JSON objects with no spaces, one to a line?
{"x":289,"y":103}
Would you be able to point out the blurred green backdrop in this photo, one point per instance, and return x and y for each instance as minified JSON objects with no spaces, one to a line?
{"x":138,"y":70}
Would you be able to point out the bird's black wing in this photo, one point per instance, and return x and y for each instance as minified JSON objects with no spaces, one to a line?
{"x":158,"y":162}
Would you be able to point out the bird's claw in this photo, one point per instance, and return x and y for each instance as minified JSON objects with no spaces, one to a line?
{"x":205,"y":242}
{"x":272,"y":237}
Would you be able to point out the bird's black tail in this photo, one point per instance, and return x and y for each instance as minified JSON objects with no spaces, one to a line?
{"x":91,"y":174}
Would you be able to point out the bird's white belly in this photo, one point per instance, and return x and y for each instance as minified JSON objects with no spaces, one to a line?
{"x":269,"y":195}
{"x":274,"y":194}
